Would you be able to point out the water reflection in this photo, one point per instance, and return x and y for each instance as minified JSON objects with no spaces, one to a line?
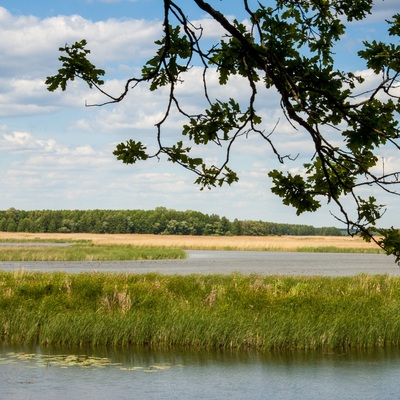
{"x":201,"y":375}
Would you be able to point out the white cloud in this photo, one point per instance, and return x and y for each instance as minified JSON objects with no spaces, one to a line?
{"x":383,"y":10}
{"x":45,"y":152}
{"x":56,"y":153}
{"x":29,"y":45}
{"x":17,"y":139}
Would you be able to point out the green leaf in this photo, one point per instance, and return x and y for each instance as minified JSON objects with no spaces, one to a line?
{"x":130,"y":152}
{"x":390,"y":242}
{"x":294,"y":191}
{"x":75,"y":64}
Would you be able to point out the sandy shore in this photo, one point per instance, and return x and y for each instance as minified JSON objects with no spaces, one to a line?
{"x":203,"y":242}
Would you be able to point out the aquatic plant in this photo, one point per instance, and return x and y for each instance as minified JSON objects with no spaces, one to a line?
{"x":200,"y":311}
{"x":86,"y":252}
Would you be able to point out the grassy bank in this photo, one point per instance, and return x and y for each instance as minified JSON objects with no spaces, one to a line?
{"x":332,"y":249}
{"x":322,"y":244}
{"x":200,"y":311}
{"x":86,"y":252}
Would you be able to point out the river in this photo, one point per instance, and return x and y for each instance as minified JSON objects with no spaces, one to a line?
{"x":45,"y":374}
{"x":225,"y":262}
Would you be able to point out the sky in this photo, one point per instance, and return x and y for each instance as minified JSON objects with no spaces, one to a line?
{"x":55,"y":153}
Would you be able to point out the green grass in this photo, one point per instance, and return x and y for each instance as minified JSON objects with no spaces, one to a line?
{"x":200,"y":311}
{"x":87,"y":252}
{"x":333,"y":249}
{"x":39,"y":240}
{"x":303,"y":249}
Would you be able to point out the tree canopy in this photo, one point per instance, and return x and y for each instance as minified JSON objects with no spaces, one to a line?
{"x":161,"y":221}
{"x":285,"y":46}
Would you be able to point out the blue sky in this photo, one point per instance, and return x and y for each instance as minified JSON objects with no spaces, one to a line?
{"x":57,"y":154}
{"x":94,"y":10}
{"x":98,"y":10}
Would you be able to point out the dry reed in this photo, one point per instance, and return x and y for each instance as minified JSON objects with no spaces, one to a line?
{"x":282,"y":243}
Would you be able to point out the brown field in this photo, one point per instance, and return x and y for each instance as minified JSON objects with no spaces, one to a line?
{"x":288,"y":243}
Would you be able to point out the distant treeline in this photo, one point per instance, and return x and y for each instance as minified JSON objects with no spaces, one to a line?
{"x":160,"y":221}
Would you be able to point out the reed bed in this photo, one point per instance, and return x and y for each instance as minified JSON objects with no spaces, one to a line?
{"x":86,"y":252}
{"x":261,"y":243}
{"x":200,"y":311}
{"x":332,"y":249}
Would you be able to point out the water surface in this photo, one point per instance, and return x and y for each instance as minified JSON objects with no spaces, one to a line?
{"x":225,"y":262}
{"x":48,"y":374}
{"x":145,"y":374}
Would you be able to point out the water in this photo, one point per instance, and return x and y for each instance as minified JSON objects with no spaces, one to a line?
{"x":145,"y":374}
{"x":223,"y":262}
{"x":48,"y":374}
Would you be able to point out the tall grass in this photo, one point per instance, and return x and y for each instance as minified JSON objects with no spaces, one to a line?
{"x":86,"y":252}
{"x":200,"y":311}
{"x":332,"y":249}
{"x":37,"y":239}
{"x":263,"y":243}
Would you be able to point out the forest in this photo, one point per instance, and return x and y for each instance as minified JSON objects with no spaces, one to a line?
{"x":160,"y":221}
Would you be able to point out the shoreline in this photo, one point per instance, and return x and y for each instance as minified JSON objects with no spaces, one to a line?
{"x":281,"y":243}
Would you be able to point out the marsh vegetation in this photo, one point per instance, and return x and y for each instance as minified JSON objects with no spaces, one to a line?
{"x":200,"y":311}
{"x":85,"y":252}
{"x":345,"y":244}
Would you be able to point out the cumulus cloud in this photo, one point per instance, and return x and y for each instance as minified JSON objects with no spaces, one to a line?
{"x":55,"y":152}
{"x":31,"y":38}
{"x":47,"y":150}
{"x":383,"y":10}
{"x":29,"y":47}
